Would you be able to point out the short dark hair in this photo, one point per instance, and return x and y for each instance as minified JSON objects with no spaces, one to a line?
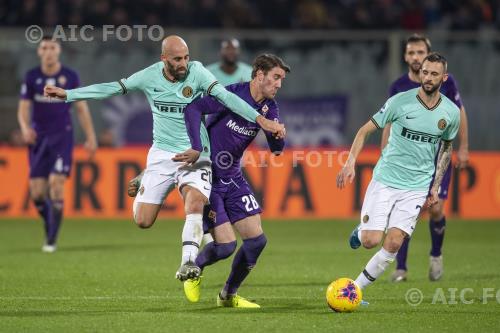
{"x":416,"y":38}
{"x":265,"y":62}
{"x":49,"y":38}
{"x":436,"y":57}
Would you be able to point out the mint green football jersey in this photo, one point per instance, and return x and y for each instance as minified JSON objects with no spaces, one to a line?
{"x":168,"y":100}
{"x":243,"y":73}
{"x":407,"y":161}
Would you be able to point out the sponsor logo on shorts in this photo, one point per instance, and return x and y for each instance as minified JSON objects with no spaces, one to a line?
{"x":141,"y":190}
{"x":365,"y":218}
{"x":187,"y":91}
{"x":212,"y":215}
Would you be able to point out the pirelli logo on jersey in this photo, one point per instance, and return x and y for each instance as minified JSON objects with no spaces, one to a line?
{"x":419,"y":136}
{"x":169,"y":107}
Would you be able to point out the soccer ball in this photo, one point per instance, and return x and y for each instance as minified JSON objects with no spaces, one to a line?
{"x":343,"y":295}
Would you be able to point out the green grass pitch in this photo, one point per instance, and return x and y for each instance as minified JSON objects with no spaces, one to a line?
{"x":110,"y":276}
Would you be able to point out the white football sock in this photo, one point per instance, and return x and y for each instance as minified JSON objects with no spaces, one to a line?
{"x":207,"y":238}
{"x":192,"y":234}
{"x":375,"y":267}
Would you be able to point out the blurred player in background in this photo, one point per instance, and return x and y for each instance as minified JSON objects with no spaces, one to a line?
{"x":169,"y":86}
{"x":420,"y":118}
{"x":47,"y":128}
{"x":232,"y":201}
{"x":417,"y":48}
{"x":229,"y":70}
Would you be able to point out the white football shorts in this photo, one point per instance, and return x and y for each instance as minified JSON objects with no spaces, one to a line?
{"x":162,"y":175}
{"x":387,"y":207}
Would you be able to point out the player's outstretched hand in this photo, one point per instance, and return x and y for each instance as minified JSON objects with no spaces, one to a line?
{"x":29,"y":136}
{"x":54,"y":92}
{"x":345,"y":175}
{"x":433,"y":197}
{"x":189,"y":157}
{"x":91,"y":147}
{"x":270,"y":125}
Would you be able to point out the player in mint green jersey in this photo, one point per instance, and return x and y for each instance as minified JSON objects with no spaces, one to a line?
{"x":420,"y":118}
{"x":169,"y":86}
{"x":229,"y":69}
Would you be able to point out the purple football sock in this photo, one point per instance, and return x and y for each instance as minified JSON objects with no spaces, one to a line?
{"x":437,"y":229}
{"x":213,"y":252}
{"x":55,"y":221}
{"x":243,"y":262}
{"x":44,"y":209}
{"x":403,"y":255}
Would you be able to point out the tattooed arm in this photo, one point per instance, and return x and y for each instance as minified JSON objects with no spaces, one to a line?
{"x":444,"y":157}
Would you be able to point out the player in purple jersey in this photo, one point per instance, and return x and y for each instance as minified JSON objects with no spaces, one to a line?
{"x":47,"y":129}
{"x":417,"y":48}
{"x":232,"y":201}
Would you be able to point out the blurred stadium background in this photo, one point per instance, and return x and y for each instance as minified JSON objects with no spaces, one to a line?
{"x":344,"y":55}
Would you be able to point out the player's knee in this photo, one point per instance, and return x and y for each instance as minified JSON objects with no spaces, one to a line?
{"x":37,"y":195}
{"x":225,"y":250}
{"x":256,"y":244}
{"x":143,"y":222}
{"x":392,"y":245}
{"x":56,"y":189}
{"x":370,"y":242}
{"x":436,"y":212}
{"x":194,"y":202}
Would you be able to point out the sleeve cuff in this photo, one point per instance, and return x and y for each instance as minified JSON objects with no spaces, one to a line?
{"x":375,"y":123}
{"x":69,"y":96}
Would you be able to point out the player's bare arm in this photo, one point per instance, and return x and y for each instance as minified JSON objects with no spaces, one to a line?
{"x":82,"y":111}
{"x":189,"y":156}
{"x":23,"y":117}
{"x":444,"y":158}
{"x":463,"y":148}
{"x":271,"y":126}
{"x":54,"y":92}
{"x":347,"y":172}
{"x":385,"y":136}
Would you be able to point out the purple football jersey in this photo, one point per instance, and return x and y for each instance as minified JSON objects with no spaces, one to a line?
{"x":49,"y":115}
{"x":449,"y":88}
{"x":229,"y":133}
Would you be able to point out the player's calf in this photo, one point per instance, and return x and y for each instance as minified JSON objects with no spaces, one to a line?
{"x":244,"y":261}
{"x":213,"y":252}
